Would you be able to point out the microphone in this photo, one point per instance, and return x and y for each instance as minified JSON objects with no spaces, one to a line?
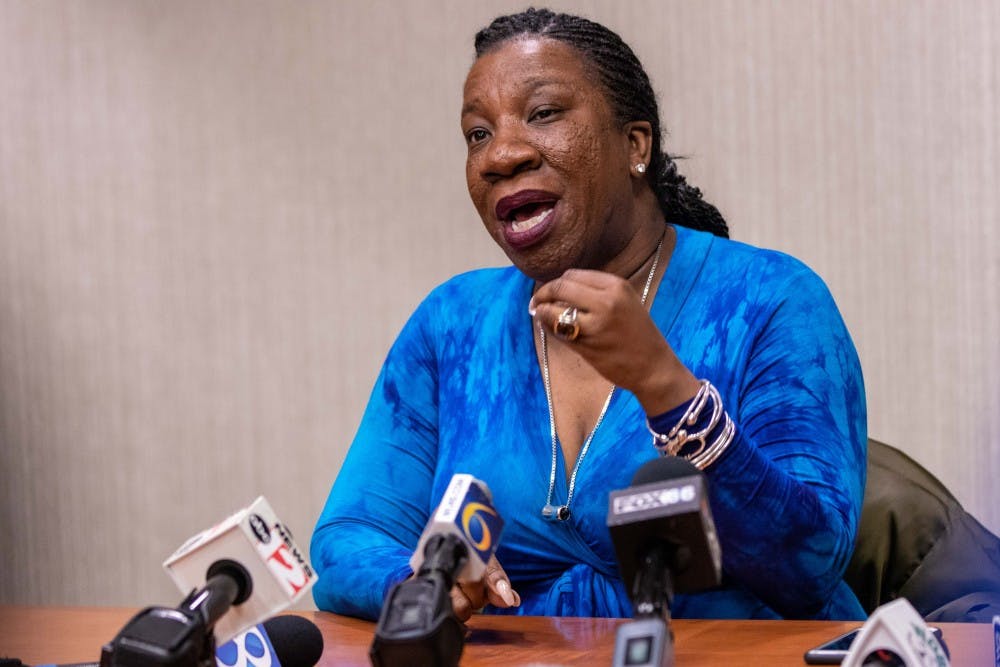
{"x":254,"y":540}
{"x":251,"y":569}
{"x":282,"y":641}
{"x":665,"y":541}
{"x":418,"y":625}
{"x":896,"y":635}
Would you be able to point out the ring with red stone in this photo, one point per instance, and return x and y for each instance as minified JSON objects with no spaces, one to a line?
{"x":567,"y":327}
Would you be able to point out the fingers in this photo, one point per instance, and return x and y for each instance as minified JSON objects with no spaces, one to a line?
{"x":499,"y":591}
{"x":475,"y":593}
{"x":503,"y":595}
{"x":596,"y":296}
{"x":495,"y":588}
{"x":461,"y":604}
{"x":579,"y":287}
{"x":596,"y":331}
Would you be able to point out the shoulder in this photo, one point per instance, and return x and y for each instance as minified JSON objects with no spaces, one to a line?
{"x":474,"y":291}
{"x":477,"y":286}
{"x":759,"y":274}
{"x":467,"y":298}
{"x":760,"y":264}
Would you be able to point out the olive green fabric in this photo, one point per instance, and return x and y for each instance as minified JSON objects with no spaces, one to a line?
{"x":916,"y":541}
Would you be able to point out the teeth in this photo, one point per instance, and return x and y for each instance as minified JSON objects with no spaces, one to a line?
{"x":525,"y":225}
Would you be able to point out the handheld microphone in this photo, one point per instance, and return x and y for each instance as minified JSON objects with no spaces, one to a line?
{"x":665,"y":540}
{"x":251,"y":568}
{"x":418,"y":625}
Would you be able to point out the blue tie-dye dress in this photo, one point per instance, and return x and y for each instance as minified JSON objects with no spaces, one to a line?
{"x":461,"y":391}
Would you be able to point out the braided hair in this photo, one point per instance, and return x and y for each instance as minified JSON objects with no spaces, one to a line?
{"x":630,"y":94}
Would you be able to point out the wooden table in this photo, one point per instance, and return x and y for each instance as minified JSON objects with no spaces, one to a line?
{"x":75,"y":634}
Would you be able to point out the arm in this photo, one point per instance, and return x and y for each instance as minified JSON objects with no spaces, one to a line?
{"x":381,"y":499}
{"x":392,"y":478}
{"x":787,"y":494}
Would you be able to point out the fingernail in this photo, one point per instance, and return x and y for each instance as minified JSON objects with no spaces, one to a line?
{"x":508,"y":595}
{"x":531,"y":309}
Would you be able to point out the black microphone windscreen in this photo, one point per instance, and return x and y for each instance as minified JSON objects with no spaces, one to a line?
{"x":663,"y":468}
{"x":296,"y":640}
{"x":667,"y":504}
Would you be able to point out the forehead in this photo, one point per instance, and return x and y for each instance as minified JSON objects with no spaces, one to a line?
{"x":525,"y":63}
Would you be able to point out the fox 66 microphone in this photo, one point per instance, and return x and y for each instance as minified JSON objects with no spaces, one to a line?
{"x":665,"y":540}
{"x":417,"y":625}
{"x":239,"y":572}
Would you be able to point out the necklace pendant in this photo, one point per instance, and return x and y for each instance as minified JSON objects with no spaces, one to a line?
{"x":561,"y":513}
{"x":555,"y":512}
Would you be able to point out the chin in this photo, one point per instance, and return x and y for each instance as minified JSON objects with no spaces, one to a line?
{"x":540,"y":266}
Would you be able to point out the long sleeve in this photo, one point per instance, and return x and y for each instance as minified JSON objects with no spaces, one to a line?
{"x":461,"y":391}
{"x":786,"y":496}
{"x":379,"y":503}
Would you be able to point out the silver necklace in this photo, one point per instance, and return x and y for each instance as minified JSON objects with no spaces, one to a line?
{"x":561,"y":512}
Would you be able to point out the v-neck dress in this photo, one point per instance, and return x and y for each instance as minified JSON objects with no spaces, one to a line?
{"x":461,"y":391}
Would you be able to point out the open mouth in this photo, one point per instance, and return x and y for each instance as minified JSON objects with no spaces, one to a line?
{"x":525,"y":209}
{"x":529,"y":216}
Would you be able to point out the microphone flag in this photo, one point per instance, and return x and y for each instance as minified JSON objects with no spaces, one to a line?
{"x":252,"y":648}
{"x":254,"y":538}
{"x":466,"y":511}
{"x":896,"y":634}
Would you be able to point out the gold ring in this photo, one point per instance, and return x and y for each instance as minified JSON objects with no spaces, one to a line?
{"x":566,"y":326}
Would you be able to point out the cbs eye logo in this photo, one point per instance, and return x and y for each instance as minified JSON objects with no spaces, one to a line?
{"x":476,"y":527}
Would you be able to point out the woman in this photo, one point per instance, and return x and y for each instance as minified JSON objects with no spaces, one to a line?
{"x":625,"y":303}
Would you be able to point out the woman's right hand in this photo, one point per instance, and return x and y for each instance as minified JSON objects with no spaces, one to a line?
{"x":609,"y":313}
{"x":495,"y":588}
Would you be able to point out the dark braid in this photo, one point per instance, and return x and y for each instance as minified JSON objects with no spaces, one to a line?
{"x":631,"y":97}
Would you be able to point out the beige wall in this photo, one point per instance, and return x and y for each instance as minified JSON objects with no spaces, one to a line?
{"x":215,"y":216}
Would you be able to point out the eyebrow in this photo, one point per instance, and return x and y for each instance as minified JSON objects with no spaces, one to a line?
{"x":531,"y":84}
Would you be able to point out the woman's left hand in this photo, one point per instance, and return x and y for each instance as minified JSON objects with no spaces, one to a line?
{"x":495,"y":589}
{"x":616,"y":336}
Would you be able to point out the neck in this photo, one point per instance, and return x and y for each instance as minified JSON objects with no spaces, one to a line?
{"x":634,"y":231}
{"x":639,"y":270}
{"x":634,"y":263}
{"x":646,"y":229}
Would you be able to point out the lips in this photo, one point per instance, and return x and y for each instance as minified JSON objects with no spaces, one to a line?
{"x":526,"y":216}
{"x":507,"y":206}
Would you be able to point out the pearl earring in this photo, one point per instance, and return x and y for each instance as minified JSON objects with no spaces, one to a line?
{"x":640,"y":168}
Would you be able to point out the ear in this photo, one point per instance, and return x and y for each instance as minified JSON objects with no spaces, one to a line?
{"x":640,"y":143}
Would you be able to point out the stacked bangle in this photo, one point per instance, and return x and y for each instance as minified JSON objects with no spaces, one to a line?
{"x":700,"y":447}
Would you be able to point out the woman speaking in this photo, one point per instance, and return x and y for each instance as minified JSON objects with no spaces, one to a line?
{"x":629,"y":325}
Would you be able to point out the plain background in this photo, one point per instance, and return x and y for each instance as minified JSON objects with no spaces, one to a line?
{"x":216,"y":216}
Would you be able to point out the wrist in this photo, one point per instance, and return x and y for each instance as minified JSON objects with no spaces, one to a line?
{"x":701,"y":430}
{"x":662,"y":391}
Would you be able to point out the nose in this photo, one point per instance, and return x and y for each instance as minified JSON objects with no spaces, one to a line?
{"x":508,"y":153}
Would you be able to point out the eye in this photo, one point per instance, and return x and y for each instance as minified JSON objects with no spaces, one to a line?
{"x":543,"y":114}
{"x":476,"y":135}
